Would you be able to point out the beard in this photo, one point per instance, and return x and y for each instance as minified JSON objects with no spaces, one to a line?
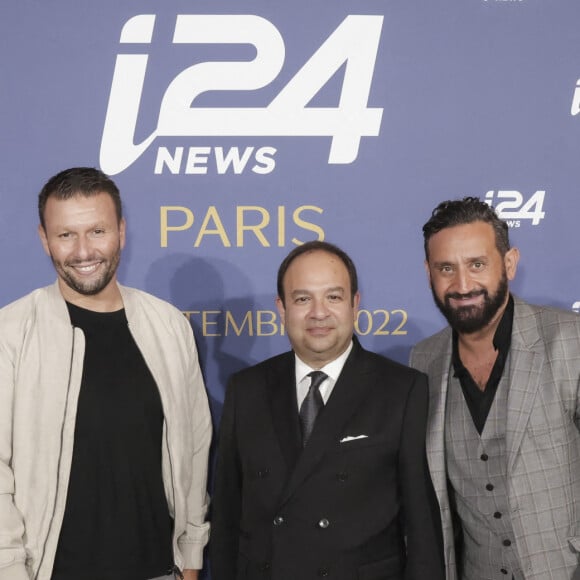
{"x":93,"y":286}
{"x":472,"y":318}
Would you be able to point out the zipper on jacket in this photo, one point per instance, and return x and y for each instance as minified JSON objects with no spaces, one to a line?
{"x":165,"y":417}
{"x":72,"y":352}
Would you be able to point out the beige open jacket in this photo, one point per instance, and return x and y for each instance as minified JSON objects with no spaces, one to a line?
{"x":41,"y":359}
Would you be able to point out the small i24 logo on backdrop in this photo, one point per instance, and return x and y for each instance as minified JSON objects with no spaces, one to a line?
{"x":515,"y":208}
{"x":575,"y":107}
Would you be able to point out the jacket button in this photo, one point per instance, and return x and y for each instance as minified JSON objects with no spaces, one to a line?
{"x":323,"y":572}
{"x":323,"y":523}
{"x":489,"y":487}
{"x":484,"y":456}
{"x":497,"y":515}
{"x":342,"y":476}
{"x":503,"y":571}
{"x":507,"y":543}
{"x":263,"y":473}
{"x":265,"y":566}
{"x":278,"y":520}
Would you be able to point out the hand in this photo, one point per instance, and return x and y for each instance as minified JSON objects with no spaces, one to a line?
{"x":190,"y":574}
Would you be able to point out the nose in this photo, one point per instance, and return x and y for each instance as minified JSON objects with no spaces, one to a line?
{"x":462,"y":282}
{"x":319,"y":308}
{"x":82,"y":248}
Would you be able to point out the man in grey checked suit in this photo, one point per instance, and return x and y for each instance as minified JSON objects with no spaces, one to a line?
{"x":503,"y":438}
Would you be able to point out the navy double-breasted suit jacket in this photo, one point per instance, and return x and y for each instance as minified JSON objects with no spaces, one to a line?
{"x":356,"y":503}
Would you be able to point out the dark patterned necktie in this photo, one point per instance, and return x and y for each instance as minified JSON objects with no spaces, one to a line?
{"x":311,"y":405}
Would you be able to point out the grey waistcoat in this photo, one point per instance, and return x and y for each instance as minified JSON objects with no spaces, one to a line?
{"x":477,"y":470}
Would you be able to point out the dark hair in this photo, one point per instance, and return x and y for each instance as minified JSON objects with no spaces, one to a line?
{"x":317,"y":246}
{"x":83,"y":181}
{"x":466,"y":211}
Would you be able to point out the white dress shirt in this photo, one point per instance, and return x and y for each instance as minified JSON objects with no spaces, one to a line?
{"x":332,"y":369}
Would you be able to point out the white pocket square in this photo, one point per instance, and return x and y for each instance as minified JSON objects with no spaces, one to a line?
{"x":352,"y":438}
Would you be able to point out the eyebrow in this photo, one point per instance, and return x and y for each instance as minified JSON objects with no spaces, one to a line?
{"x":336,"y":289}
{"x":442,"y":263}
{"x":466,"y":260}
{"x":86,"y":226}
{"x":333,"y":289}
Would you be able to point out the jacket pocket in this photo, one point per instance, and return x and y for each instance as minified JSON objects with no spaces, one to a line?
{"x":354,"y":444}
{"x":389,"y":569}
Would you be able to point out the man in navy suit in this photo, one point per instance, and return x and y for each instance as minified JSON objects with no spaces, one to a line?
{"x":321,"y":467}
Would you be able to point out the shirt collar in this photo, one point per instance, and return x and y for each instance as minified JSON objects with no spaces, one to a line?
{"x":332,"y":369}
{"x":501,"y":339}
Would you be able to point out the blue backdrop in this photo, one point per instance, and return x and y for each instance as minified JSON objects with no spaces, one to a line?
{"x":236,"y":130}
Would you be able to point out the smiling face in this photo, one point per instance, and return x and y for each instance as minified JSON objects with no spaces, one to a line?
{"x":83,"y":238}
{"x":469,"y":277}
{"x":318,"y":310}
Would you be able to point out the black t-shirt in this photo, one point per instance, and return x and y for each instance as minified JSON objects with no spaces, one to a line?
{"x":116,"y":524}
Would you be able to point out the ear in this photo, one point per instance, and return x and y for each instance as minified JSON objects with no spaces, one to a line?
{"x":43,"y":239}
{"x":122,"y":231}
{"x":510,"y":260}
{"x":281,"y":309}
{"x":356,"y":303}
{"x":426,"y":264}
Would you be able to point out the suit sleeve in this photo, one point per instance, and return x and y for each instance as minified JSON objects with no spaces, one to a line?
{"x":577,"y":415}
{"x":227,"y":497}
{"x":12,"y":554}
{"x":420,"y":507}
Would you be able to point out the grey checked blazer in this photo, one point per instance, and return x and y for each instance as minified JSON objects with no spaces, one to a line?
{"x":542,"y":438}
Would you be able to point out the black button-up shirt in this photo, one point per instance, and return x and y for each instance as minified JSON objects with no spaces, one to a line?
{"x":479,"y":402}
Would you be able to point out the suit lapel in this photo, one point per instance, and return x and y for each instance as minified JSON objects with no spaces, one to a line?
{"x":438,"y":373}
{"x":349,"y":391}
{"x":284,"y":409}
{"x":527,"y":359}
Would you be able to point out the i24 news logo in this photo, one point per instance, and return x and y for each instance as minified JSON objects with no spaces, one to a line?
{"x":511,"y":206}
{"x":354,"y":44}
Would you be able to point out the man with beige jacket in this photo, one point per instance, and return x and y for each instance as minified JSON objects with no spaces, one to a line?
{"x":104,"y":421}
